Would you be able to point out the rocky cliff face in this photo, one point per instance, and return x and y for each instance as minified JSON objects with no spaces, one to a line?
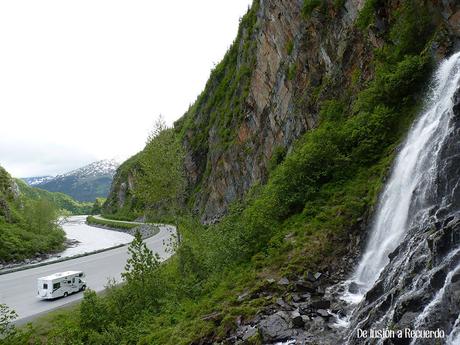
{"x":121,"y":198}
{"x":266,"y":92}
{"x":298,"y":62}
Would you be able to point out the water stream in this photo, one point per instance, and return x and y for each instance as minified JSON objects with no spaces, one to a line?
{"x":409,"y":272}
{"x":405,"y":199}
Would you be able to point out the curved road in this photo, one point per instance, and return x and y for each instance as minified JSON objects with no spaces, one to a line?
{"x":18,"y":289}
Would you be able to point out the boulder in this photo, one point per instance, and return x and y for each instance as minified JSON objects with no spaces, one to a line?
{"x":280,"y":302}
{"x":283,"y":281}
{"x":304,"y":308}
{"x":305,"y":286}
{"x":323,"y":313}
{"x":353,"y":288}
{"x":249,"y":332}
{"x":297,"y":320}
{"x":320,"y":304}
{"x":310,"y":276}
{"x":275,"y":327}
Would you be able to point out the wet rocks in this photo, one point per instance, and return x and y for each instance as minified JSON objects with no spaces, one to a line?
{"x":353,"y":288}
{"x":323,"y":313}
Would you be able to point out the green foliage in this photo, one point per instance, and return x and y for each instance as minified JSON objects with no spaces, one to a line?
{"x":310,"y":5}
{"x":339,"y":4}
{"x":222,"y":103}
{"x":111,"y":224}
{"x":97,"y":206}
{"x":160,"y":183}
{"x":9,"y":334}
{"x":60,"y":200}
{"x":142,"y":262}
{"x":92,"y":312}
{"x":278,"y":155}
{"x":27,"y":227}
{"x":291,"y":72}
{"x":7,"y":316}
{"x":367,"y":14}
{"x":289,"y":47}
{"x":411,"y":29}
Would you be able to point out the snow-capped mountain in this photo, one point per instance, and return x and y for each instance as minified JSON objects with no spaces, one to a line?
{"x":84,"y":184}
{"x":36,"y":180}
{"x":99,"y":168}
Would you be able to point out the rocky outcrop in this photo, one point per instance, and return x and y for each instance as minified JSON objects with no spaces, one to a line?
{"x":121,"y":195}
{"x":298,"y":63}
{"x":267,"y":92}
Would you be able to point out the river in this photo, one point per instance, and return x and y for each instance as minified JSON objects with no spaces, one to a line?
{"x":89,"y":238}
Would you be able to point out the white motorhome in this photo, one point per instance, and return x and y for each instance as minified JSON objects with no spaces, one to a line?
{"x":60,"y":284}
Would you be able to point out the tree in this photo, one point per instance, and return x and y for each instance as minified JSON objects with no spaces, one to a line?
{"x":7,"y":316}
{"x":160,"y":181}
{"x":142,"y":262}
{"x":92,"y":312}
{"x":41,"y":215}
{"x":97,"y":206}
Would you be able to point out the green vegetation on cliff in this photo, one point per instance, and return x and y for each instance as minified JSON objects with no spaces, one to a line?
{"x":131,"y":206}
{"x":28,"y":226}
{"x":316,"y":196}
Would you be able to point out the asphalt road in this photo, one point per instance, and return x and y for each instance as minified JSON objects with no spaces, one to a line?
{"x":18,"y":290}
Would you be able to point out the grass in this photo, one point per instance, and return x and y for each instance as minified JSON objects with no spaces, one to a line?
{"x":111,"y":223}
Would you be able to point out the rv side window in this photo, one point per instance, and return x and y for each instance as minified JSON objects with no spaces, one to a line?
{"x":45,"y":286}
{"x":56,"y":286}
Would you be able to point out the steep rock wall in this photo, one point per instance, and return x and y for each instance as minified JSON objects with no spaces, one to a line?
{"x":268,"y":89}
{"x":298,"y":63}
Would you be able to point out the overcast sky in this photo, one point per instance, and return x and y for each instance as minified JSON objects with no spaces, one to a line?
{"x":85,"y":80}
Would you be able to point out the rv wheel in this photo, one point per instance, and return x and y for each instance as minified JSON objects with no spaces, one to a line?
{"x":65,"y":294}
{"x":83,"y":288}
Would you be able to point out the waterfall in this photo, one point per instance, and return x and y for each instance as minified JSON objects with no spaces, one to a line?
{"x":405,"y":198}
{"x":409,"y":274}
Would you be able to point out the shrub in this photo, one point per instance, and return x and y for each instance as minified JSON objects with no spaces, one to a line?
{"x":309,"y":6}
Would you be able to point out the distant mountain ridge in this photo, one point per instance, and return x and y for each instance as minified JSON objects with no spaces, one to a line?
{"x":83,"y":184}
{"x":99,"y":168}
{"x":36,"y":180}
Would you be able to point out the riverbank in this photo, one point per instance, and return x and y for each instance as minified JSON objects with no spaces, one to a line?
{"x":75,"y":248}
{"x":82,"y":240}
{"x":146,"y":230}
{"x":39,"y":258}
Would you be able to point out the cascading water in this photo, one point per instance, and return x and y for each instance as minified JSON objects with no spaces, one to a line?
{"x":410,"y":270}
{"x":405,"y":196}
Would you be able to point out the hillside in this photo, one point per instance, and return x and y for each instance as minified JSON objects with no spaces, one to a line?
{"x":28,"y":225}
{"x":84,"y":184}
{"x":60,"y":200}
{"x":285,"y":154}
